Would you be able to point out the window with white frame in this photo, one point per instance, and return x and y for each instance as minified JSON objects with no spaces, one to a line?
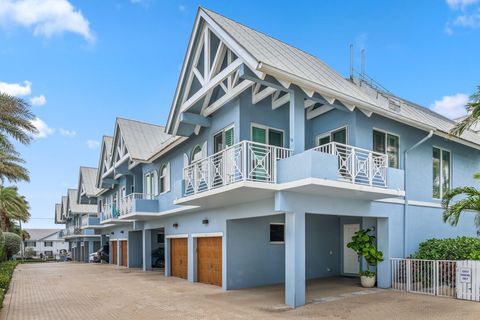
{"x":389,"y":144}
{"x":165,"y":178}
{"x":442,"y":171}
{"x":196,"y":153}
{"x":338,"y":135}
{"x":224,"y":139}
{"x":48,"y":244}
{"x":267,"y":135}
{"x":151,"y":185}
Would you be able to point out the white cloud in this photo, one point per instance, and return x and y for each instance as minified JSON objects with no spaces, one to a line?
{"x":93,"y":144}
{"x":16,"y":89}
{"x":43,"y":129}
{"x":67,"y":133}
{"x":38,"y":101}
{"x":46,"y":17}
{"x":460,"y":4}
{"x":468,"y":20}
{"x":451,"y":106}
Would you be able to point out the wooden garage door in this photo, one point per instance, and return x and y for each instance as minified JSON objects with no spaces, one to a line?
{"x":124,"y":252}
{"x":114,"y":252}
{"x":179,"y":257}
{"x":209,"y":260}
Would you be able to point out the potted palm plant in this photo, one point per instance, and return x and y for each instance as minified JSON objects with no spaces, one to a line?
{"x":363,"y":244}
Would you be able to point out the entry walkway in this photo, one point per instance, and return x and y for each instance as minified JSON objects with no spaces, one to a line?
{"x":92,"y":291}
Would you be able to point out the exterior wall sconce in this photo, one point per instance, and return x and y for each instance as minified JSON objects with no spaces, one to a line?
{"x":121,"y":231}
{"x":205,"y":221}
{"x":112,"y":232}
{"x":175,"y":225}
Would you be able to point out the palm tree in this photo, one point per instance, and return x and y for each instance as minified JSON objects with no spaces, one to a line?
{"x":473,"y":109}
{"x":15,"y":122}
{"x":470,"y":201}
{"x":13,"y":206}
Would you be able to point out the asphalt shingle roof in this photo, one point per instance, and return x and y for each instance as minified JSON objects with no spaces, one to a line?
{"x":89,"y":176}
{"x":39,"y":234}
{"x":79,"y":208}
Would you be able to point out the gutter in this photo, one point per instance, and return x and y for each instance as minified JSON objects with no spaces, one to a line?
{"x":405,"y":205}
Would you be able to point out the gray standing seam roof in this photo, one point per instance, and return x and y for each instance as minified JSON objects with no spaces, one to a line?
{"x":287,"y":58}
{"x":39,"y":234}
{"x":89,"y":176}
{"x":79,"y":208}
{"x":142,"y":139}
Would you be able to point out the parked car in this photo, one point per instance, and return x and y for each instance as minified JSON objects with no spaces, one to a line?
{"x":68,"y":257}
{"x":100,"y":255}
{"x":158,"y":258}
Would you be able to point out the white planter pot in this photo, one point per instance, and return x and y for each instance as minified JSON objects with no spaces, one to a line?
{"x":368,"y":282}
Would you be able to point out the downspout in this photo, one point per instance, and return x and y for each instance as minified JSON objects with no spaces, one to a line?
{"x":405,"y":205}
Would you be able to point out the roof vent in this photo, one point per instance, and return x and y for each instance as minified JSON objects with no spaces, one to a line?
{"x":394,"y":105}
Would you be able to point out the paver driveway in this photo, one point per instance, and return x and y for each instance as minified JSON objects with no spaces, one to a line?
{"x":82,"y":291}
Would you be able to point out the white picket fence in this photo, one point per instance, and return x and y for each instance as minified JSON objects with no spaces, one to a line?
{"x":446,"y":278}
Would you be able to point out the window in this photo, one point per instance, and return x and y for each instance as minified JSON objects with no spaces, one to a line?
{"x":337,"y":135}
{"x":277,"y":233}
{"x":266,"y":135}
{"x":165,"y":178}
{"x":441,"y":163}
{"x":223,"y":139}
{"x":48,"y":244}
{"x":389,"y":144}
{"x":151,"y":185}
{"x":49,"y":253}
{"x":196,"y":153}
{"x":31,"y":244}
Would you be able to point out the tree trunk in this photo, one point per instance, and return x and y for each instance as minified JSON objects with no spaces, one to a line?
{"x":4,"y":222}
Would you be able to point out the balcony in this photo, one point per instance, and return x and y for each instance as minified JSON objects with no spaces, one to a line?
{"x":246,"y":164}
{"x":132,"y":206}
{"x":357,"y":165}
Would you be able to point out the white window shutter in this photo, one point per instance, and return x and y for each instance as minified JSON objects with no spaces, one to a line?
{"x":167,"y":178}
{"x":204,"y":150}
{"x":155,"y":182}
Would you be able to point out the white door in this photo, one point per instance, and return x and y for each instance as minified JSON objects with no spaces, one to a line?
{"x":351,"y":264}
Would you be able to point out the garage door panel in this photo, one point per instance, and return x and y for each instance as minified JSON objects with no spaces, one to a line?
{"x":114,"y":252}
{"x":209,"y":260}
{"x":124,"y":252}
{"x":179,"y":257}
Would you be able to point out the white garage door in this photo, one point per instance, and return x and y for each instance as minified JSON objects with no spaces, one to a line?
{"x":350,"y":258}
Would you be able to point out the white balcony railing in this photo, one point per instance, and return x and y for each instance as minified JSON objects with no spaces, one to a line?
{"x":123,"y":207}
{"x":244,"y":161}
{"x":357,"y":165}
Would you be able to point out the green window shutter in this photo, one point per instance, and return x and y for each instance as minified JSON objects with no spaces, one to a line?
{"x":259,"y":135}
{"x":229,"y":137}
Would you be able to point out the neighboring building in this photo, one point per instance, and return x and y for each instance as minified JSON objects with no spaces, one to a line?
{"x":268,"y":164}
{"x":45,"y":242}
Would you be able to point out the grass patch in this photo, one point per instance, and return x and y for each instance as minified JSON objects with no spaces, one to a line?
{"x":6,"y":272}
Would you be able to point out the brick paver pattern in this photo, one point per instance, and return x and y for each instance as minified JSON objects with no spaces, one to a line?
{"x":88,"y":291}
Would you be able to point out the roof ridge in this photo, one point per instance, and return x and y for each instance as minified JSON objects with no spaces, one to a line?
{"x":141,"y":122}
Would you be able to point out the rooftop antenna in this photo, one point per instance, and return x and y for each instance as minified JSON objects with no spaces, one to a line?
{"x":351,"y":61}
{"x":362,"y":65}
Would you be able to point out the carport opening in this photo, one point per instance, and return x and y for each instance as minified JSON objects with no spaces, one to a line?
{"x":256,"y":253}
{"x":158,"y":249}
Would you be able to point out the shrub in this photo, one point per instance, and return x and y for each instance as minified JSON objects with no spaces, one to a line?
{"x":12,"y":243}
{"x":461,"y":248}
{"x":29,"y":253}
{"x":6,"y":272}
{"x":3,"y":255}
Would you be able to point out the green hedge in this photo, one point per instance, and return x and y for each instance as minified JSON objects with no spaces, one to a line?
{"x":461,"y":248}
{"x":6,"y":272}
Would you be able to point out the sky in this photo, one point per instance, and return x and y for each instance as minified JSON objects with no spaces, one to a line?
{"x":82,"y":63}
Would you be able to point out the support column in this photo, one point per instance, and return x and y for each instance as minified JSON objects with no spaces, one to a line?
{"x":119,"y":252}
{"x":295,"y":259}
{"x":90,"y":250}
{"x":167,"y":257}
{"x":192,"y":259}
{"x":147,"y":249}
{"x":383,"y":245}
{"x":297,"y":121}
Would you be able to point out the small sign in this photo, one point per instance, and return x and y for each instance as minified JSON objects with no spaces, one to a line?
{"x":465,"y":275}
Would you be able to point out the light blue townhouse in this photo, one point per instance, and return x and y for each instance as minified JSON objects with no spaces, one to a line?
{"x":268,"y":164}
{"x":78,"y":210}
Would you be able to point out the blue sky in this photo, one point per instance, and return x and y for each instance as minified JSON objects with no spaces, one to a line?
{"x":84,"y":62}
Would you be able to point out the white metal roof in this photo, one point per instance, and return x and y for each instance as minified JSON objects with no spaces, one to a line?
{"x":39,"y":234}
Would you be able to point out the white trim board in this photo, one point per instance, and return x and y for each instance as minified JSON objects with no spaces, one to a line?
{"x":206,"y":235}
{"x":174,"y":236}
{"x":412,"y":203}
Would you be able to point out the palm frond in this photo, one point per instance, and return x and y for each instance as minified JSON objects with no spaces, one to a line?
{"x":473,"y":109}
